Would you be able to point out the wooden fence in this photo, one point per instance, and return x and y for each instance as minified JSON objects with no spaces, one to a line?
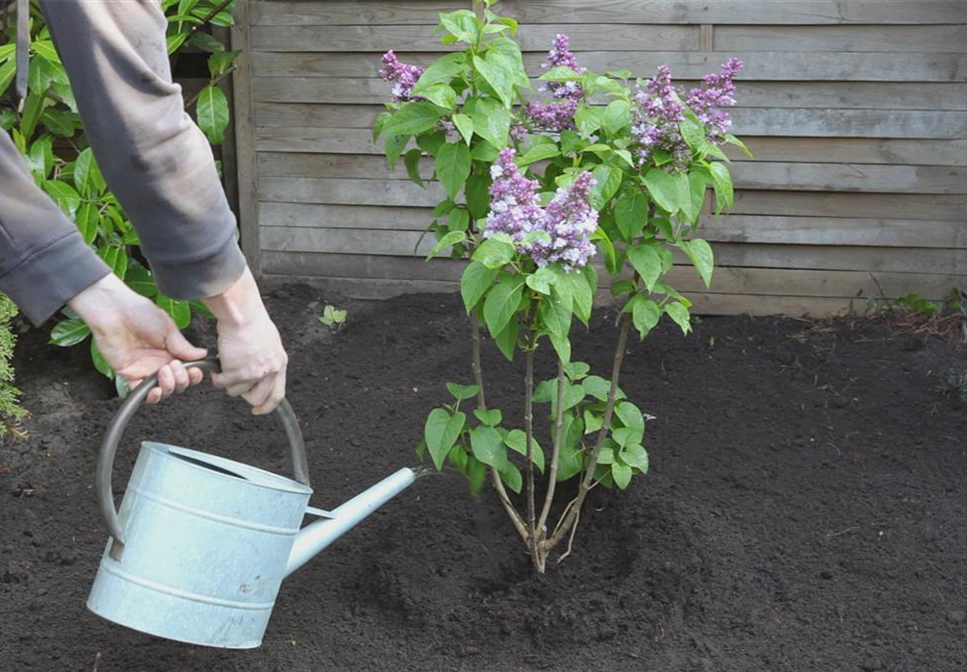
{"x":856,"y":111}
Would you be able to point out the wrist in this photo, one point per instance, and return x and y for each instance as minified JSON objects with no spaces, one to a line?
{"x":238,"y":305}
{"x":98,"y":304}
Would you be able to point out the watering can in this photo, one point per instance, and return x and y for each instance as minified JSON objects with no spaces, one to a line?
{"x":202,"y":543}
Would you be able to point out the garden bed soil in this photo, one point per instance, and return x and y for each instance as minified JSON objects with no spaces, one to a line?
{"x":805,"y":509}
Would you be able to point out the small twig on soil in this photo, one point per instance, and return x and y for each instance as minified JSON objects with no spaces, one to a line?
{"x":570,"y":540}
{"x":839,"y":534}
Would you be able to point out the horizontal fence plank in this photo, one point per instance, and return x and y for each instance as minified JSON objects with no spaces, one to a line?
{"x":791,"y":150}
{"x":863,"y":231}
{"x":777,"y":65}
{"x":726,"y":280}
{"x":363,"y":38}
{"x":840,"y":38}
{"x":747,"y":121}
{"x":800,"y":257}
{"x":748,"y":175}
{"x":777,"y":12}
{"x":808,"y":95}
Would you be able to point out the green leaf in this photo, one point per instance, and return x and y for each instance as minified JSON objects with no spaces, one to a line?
{"x":693,"y":195}
{"x":477,"y":193}
{"x":679,"y":313}
{"x":464,"y":124}
{"x":212,"y":112}
{"x":462,"y":24}
{"x":431,"y":142}
{"x":663,"y":188}
{"x":491,"y":418}
{"x":570,"y":463}
{"x":516,"y":440}
{"x":508,"y":52}
{"x":64,"y":195}
{"x":442,"y":95}
{"x":82,"y":170}
{"x":506,"y":340}
{"x":729,"y":138}
{"x":494,"y":253}
{"x":573,"y":395}
{"x":412,"y":162}
{"x":140,"y":280}
{"x":556,"y":310}
{"x":608,"y":182}
{"x":606,"y":456}
{"x":476,"y":280}
{"x":440,"y":433}
{"x":206,"y":42}
{"x":180,"y":311}
{"x":645,"y":314}
{"x":8,"y":118}
{"x":393,"y":146}
{"x":588,"y":119}
{"x":60,"y":122}
{"x":700,"y":252}
{"x":501,"y":304}
{"x":630,"y":415}
{"x":631,"y":213}
{"x":635,"y":456}
{"x":453,"y":166}
{"x":560,"y":73}
{"x":693,"y":134}
{"x":647,"y":263}
{"x":484,"y":151}
{"x":537,"y":153}
{"x":542,"y":280}
{"x":443,"y":69}
{"x":69,"y":332}
{"x":498,"y":74}
{"x":41,"y":157}
{"x":491,"y":121}
{"x":450,"y":239}
{"x":617,"y":115}
{"x":461,"y":392}
{"x":7,"y":71}
{"x":562,"y":346}
{"x":87,"y":220}
{"x":458,"y":220}
{"x":99,"y":362}
{"x":511,"y":476}
{"x":221,"y":62}
{"x":116,"y":257}
{"x":488,"y":446}
{"x":722,"y":180}
{"x":413,"y":119}
{"x":622,"y":474}
{"x":582,"y":296}
{"x":592,"y":422}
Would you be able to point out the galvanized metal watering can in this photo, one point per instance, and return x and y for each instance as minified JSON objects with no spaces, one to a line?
{"x":201,"y":543}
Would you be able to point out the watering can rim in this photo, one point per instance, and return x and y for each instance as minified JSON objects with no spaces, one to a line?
{"x":267,"y":480}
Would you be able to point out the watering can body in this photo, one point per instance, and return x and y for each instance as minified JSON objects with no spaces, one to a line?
{"x":201,"y":544}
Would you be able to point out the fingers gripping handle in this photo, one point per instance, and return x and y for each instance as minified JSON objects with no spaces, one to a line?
{"x":105,"y":459}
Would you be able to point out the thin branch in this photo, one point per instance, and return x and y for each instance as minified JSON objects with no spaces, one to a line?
{"x":558,"y":441}
{"x":211,"y":15}
{"x":529,"y":431}
{"x":515,"y":517}
{"x":194,"y":99}
{"x":585,"y":486}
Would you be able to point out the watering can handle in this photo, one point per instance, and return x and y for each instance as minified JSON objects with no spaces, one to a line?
{"x":105,"y":459}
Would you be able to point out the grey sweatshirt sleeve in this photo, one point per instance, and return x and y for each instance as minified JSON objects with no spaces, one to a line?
{"x":44,"y":261}
{"x":154,"y":158}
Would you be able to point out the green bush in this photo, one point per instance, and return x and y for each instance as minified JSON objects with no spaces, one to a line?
{"x":10,"y":411}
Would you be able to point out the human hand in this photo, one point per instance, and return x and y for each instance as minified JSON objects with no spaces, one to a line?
{"x":137,"y":338}
{"x":253,"y":361}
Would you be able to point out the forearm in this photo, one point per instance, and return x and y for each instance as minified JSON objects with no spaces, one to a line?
{"x":155,"y":159}
{"x":44,"y":261}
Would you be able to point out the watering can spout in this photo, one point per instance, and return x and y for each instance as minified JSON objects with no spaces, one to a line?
{"x":316,"y":537}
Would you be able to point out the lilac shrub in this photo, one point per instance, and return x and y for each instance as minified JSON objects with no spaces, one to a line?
{"x":538,"y":195}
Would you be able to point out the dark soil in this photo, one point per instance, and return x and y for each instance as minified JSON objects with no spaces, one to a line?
{"x":806,"y":508}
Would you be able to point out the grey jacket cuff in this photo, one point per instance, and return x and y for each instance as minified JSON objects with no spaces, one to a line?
{"x":51,"y":276}
{"x":200,"y":278}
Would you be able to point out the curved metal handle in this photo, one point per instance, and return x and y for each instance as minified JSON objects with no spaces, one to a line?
{"x":105,"y":459}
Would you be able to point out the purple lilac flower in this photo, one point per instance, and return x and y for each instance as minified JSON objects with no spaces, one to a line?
{"x":558,"y":115}
{"x":716,"y":94}
{"x":569,"y":220}
{"x":403,"y":75}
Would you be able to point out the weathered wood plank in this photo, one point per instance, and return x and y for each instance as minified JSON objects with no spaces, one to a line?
{"x":776,"y":66}
{"x":363,"y":38}
{"x":948,"y":38}
{"x":747,"y":121}
{"x":805,"y":95}
{"x":880,"y":206}
{"x":244,"y":120}
{"x":337,"y":191}
{"x":791,"y":150}
{"x":734,"y":228}
{"x":801,"y":257}
{"x":795,"y":12}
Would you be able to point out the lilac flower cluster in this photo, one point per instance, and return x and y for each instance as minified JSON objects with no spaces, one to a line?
{"x":658,"y":109}
{"x":403,"y":75}
{"x":569,"y":220}
{"x":708,"y":101}
{"x":558,"y":115}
